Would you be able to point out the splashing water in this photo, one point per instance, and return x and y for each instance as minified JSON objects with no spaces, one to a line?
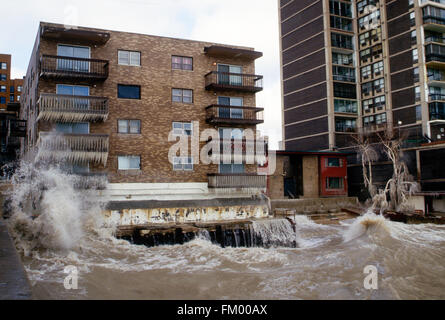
{"x":56,"y":225}
{"x":48,"y":211}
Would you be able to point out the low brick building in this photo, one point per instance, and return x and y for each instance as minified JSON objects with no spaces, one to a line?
{"x":308,"y":175}
{"x":114,"y":97}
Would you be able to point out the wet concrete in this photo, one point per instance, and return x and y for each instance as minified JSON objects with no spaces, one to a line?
{"x":14,"y":284}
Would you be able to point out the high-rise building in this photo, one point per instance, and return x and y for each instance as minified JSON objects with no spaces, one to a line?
{"x":362,"y":67}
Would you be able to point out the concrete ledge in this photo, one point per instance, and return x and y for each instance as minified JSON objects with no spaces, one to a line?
{"x":154,"y":204}
{"x":315,"y":204}
{"x":14,"y":284}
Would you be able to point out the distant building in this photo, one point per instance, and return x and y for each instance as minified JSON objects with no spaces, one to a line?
{"x":360,"y":68}
{"x":308,"y":175}
{"x":11,"y":129}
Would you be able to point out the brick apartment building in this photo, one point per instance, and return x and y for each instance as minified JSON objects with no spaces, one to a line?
{"x":112,"y":98}
{"x":363,"y":67}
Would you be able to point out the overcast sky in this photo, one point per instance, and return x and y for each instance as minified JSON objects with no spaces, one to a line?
{"x":252,"y":23}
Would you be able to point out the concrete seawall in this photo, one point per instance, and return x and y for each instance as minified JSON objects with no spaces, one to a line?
{"x":14,"y":284}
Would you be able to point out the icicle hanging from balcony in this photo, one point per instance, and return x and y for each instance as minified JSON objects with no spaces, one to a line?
{"x":74,"y":147}
{"x":64,"y":108}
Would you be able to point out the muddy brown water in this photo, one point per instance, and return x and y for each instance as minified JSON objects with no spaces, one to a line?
{"x":328,"y":263}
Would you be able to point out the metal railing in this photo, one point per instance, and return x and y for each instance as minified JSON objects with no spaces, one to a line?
{"x":237,"y":181}
{"x":64,"y":67}
{"x":436,"y":97}
{"x":229,"y":114}
{"x":58,"y":107}
{"x":216,"y":80}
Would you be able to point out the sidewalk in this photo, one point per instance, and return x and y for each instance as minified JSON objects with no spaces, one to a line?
{"x":14,"y":284}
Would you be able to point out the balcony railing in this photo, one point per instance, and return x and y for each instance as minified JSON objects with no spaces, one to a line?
{"x":67,"y":108}
{"x":73,"y":68}
{"x":243,"y":180}
{"x":344,"y":78}
{"x":230,"y":114}
{"x":241,"y":150}
{"x":74,"y":147}
{"x":437,"y":97}
{"x":222,"y":81}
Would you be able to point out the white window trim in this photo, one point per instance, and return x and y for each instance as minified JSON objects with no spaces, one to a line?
{"x":129,"y":58}
{"x":181,"y":162}
{"x":128,"y":169}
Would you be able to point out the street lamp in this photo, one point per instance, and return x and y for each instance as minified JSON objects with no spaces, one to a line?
{"x":399,"y":123}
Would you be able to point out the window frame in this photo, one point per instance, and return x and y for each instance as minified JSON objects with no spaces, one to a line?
{"x":130,"y":64}
{"x":129,"y":85}
{"x":129,"y":156}
{"x":182,"y":95}
{"x":129,"y":126}
{"x":182,"y":64}
{"x":188,"y":162}
{"x":341,"y":184}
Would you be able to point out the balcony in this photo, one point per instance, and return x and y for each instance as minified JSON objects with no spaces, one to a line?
{"x":87,"y":36}
{"x":433,"y":23}
{"x":437,"y":110}
{"x":243,"y":151}
{"x":58,"y":67}
{"x":66,"y":108}
{"x":226,"y":81}
{"x":74,"y":147}
{"x":242,"y":180}
{"x":219,"y":114}
{"x":437,"y":97}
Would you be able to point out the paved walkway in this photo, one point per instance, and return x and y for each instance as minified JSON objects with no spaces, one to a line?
{"x":14,"y":284}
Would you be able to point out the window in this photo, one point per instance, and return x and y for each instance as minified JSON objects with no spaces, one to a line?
{"x":413,"y":37}
{"x":71,"y":64}
{"x":129,"y":58}
{"x":11,"y":98}
{"x":231,"y":168}
{"x":342,"y":59}
{"x":379,"y":85}
{"x":415,"y":56}
{"x":11,"y":89}
{"x":3,"y":65}
{"x":182,"y":95}
{"x":182,"y":128}
{"x":340,"y":8}
{"x":412,"y":19}
{"x":19,"y":88}
{"x":416,"y":74}
{"x":2,"y":100}
{"x":366,"y":72}
{"x":183,"y":163}
{"x":378,"y":68}
{"x":418,"y":113}
{"x":348,"y":106}
{"x":18,"y":98}
{"x":2,"y":88}
{"x":3,"y":77}
{"x":128,"y":91}
{"x":182,"y":63}
{"x":380,"y":118}
{"x":334,"y":183}
{"x":72,"y":90}
{"x":417,"y":93}
{"x":129,"y":162}
{"x":129,"y":126}
{"x":74,"y":127}
{"x":334,"y":162}
{"x":410,"y":3}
